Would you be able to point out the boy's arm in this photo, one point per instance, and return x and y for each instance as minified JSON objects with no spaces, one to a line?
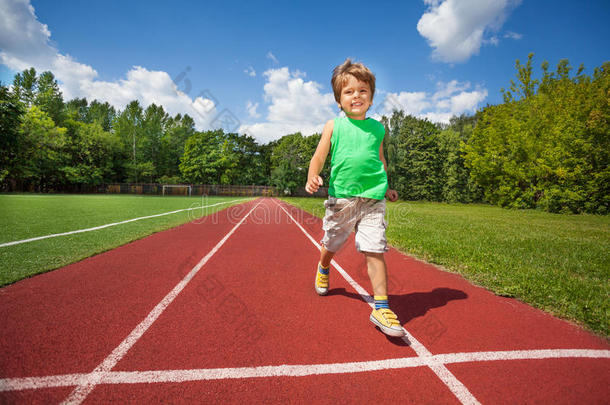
{"x":314,"y":181}
{"x":391,"y":194}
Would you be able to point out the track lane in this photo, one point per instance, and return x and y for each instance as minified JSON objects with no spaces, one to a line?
{"x":440,"y":309}
{"x":255,"y":305}
{"x":449,"y":315}
{"x":68,"y":320}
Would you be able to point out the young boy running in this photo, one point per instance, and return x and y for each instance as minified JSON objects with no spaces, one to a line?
{"x":357,"y":188}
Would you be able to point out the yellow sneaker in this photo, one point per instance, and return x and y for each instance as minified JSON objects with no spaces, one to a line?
{"x":321,"y":283}
{"x":387,"y":322}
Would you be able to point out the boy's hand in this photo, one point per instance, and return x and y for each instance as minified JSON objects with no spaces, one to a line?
{"x":391,"y":195}
{"x":313,"y":184}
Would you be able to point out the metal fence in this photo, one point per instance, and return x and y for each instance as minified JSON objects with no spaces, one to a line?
{"x":196,"y":189}
{"x":157,"y":189}
{"x":209,"y":189}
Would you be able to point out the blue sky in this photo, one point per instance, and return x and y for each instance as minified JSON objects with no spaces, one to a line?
{"x":263,"y":68}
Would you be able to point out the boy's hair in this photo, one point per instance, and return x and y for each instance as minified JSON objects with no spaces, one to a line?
{"x":358,"y":70}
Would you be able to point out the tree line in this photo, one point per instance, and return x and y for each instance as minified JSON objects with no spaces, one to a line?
{"x":546,"y":146}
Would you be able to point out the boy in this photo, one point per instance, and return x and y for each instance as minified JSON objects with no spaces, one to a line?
{"x":357,"y":187}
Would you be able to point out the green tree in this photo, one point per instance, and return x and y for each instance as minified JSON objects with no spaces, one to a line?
{"x":10,"y":119}
{"x":250,"y":169}
{"x":41,"y":155}
{"x":49,"y":97}
{"x":93,"y":154}
{"x":77,"y":109}
{"x":101,"y":113}
{"x":415,"y":159}
{"x":177,"y":130}
{"x":289,"y":161}
{"x":129,"y":129}
{"x":153,"y":128}
{"x":24,"y":86}
{"x":42,"y":91}
{"x":547,"y":145}
{"x":201,"y":162}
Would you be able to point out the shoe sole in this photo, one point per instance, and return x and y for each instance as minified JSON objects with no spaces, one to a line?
{"x":386,"y":330}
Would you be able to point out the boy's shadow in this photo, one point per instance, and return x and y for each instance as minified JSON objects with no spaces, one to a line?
{"x":413,"y":305}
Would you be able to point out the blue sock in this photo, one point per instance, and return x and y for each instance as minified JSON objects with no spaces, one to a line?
{"x":381,"y":301}
{"x":323,"y":270}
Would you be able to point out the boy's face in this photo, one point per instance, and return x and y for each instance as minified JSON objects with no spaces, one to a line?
{"x":356,"y":98}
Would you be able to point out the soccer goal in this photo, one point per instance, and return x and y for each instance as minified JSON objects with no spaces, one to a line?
{"x":174,"y":186}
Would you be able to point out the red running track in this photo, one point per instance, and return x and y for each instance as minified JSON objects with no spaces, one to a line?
{"x":143,"y":323}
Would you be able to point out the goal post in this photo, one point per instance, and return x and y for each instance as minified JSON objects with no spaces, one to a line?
{"x":172,"y":186}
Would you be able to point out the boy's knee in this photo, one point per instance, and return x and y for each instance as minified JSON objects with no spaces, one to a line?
{"x":374,"y":255}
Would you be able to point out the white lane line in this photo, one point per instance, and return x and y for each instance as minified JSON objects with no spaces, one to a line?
{"x":284,"y":370}
{"x":521,"y":355}
{"x":454,"y":385}
{"x":88,"y":383}
{"x":95,"y":228}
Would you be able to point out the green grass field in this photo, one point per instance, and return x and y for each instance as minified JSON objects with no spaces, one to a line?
{"x":24,"y":216}
{"x":559,"y":263}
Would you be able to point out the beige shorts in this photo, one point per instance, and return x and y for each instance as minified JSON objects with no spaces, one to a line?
{"x":365,"y":215}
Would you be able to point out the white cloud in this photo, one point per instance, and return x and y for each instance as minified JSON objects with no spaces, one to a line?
{"x":23,"y":34}
{"x":513,"y":35}
{"x":492,"y":41}
{"x":456,"y":28}
{"x":250,"y":71}
{"x":272,"y":57}
{"x":25,"y":43}
{"x":453,"y":98}
{"x":252,"y":107}
{"x":295,"y":105}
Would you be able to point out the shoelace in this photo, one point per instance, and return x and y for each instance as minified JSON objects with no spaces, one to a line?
{"x":389,"y":316}
{"x":322,"y":280}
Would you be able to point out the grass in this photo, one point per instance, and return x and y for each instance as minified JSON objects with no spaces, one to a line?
{"x":558,"y":263}
{"x":24,"y":216}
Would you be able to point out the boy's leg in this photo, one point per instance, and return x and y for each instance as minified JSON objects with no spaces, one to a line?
{"x":382,"y":315}
{"x":325,"y":257}
{"x":321,"y":283}
{"x":377,"y":273}
{"x":337,"y":224}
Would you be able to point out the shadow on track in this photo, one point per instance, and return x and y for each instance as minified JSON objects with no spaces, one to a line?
{"x":411,"y":306}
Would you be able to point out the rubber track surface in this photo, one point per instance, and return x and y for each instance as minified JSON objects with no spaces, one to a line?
{"x":252,"y":304}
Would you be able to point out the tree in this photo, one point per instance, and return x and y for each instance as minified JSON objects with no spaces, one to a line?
{"x":101,"y":113}
{"x":10,"y":119}
{"x":42,"y":91}
{"x":24,"y":86}
{"x":153,"y":127}
{"x":547,"y":146}
{"x":41,"y":155}
{"x":177,"y":131}
{"x":415,"y":158}
{"x":93,"y":154}
{"x":290,"y":158}
{"x":201,"y":162}
{"x":77,"y":109}
{"x":49,"y":98}
{"x":250,"y":168}
{"x":128,"y":127}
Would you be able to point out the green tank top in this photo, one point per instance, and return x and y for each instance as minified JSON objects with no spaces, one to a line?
{"x":355,"y":167}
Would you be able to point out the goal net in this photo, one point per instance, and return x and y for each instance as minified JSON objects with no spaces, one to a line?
{"x":176,"y":189}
